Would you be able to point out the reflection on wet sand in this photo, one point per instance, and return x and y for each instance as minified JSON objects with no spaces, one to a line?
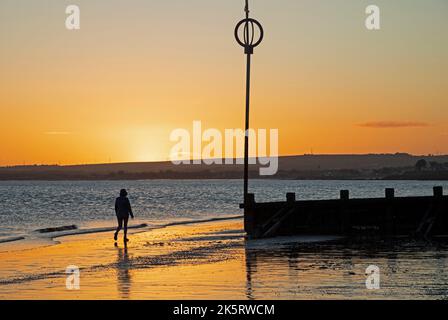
{"x":289,"y":269}
{"x":123,"y":273}
{"x":214,"y":261}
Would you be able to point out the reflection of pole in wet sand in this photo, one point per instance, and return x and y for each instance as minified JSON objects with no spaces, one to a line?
{"x":123,"y":273}
{"x":251,"y":262}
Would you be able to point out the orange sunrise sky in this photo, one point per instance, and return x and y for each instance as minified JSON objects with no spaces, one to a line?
{"x":136,"y":70}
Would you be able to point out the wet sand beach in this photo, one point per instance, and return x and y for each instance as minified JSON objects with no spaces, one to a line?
{"x":212,"y":260}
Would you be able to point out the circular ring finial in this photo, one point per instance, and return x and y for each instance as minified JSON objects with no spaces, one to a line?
{"x":249,"y":34}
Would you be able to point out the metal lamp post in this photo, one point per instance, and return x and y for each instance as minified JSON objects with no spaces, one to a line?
{"x":249,"y":43}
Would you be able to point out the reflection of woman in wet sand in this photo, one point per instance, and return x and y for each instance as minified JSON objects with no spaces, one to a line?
{"x":123,"y":210}
{"x":123,"y":274}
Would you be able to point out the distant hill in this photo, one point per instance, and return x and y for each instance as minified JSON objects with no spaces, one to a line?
{"x":288,"y":165}
{"x":354,"y":162}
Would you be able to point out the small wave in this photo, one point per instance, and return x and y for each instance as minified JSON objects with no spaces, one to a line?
{"x":56,"y":229}
{"x":11,"y":239}
{"x":96,"y":230}
{"x":202,"y":220}
{"x":144,"y":225}
{"x":72,"y":230}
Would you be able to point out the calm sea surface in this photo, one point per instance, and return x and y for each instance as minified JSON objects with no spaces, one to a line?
{"x":29,"y":205}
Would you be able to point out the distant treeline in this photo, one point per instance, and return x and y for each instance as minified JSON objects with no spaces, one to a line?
{"x":344,"y":174}
{"x":330,"y":167}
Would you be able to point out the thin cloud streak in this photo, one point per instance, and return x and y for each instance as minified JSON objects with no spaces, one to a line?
{"x":393,"y":124}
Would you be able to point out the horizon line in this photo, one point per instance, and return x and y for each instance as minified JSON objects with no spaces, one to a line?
{"x":192,"y":159}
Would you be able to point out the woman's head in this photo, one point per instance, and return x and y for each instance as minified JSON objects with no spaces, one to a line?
{"x":123,"y":193}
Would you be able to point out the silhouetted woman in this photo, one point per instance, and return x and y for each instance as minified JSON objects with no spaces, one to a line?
{"x":123,"y":210}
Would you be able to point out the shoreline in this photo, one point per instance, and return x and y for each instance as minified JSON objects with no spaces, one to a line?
{"x":37,"y":239}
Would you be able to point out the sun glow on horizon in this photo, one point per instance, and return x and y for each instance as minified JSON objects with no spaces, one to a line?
{"x":114,"y":90}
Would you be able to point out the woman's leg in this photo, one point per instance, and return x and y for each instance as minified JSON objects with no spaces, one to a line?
{"x":126,"y":228}
{"x":120,"y":225}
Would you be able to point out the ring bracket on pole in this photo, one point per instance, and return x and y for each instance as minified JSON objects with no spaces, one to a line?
{"x":248,"y":42}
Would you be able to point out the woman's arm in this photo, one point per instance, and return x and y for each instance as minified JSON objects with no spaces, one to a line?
{"x":130,"y":209}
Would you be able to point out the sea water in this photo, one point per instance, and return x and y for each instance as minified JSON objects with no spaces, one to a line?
{"x":26,"y":206}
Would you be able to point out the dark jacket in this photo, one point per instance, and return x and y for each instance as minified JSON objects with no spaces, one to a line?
{"x":123,"y":207}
